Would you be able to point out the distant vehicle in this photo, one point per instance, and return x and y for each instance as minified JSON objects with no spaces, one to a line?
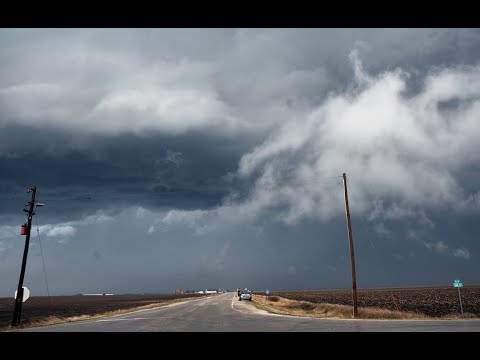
{"x":245,"y":295}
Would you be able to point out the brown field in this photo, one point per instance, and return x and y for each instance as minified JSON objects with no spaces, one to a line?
{"x":279,"y":305}
{"x":37,"y":310}
{"x":430,"y":301}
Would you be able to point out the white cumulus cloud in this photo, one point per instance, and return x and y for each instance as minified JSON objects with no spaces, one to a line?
{"x":61,"y":231}
{"x":404,"y":149}
{"x":462,"y":253}
{"x":438,"y":246}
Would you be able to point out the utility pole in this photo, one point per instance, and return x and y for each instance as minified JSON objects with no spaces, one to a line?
{"x":352,"y":254}
{"x":460,"y":298}
{"x":17,"y":313}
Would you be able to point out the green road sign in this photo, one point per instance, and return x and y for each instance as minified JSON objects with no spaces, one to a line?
{"x":457,"y":283}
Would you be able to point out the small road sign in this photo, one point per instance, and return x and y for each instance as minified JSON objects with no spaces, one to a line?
{"x":458,"y":285}
{"x":26,"y":294}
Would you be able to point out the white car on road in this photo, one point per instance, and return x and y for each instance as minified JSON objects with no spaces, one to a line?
{"x":245,"y":295}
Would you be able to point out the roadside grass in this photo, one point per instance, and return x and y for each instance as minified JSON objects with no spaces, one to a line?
{"x":54,"y":320}
{"x":279,"y":305}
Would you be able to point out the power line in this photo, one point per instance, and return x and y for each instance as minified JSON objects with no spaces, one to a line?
{"x":313,"y":179}
{"x":43,"y":261}
{"x":168,"y":191}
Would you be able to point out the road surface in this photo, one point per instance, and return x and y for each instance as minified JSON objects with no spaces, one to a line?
{"x":225,"y":313}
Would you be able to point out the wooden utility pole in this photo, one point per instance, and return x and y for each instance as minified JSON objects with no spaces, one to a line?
{"x":17,"y":312}
{"x":352,"y":254}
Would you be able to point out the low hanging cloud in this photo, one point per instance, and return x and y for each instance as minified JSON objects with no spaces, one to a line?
{"x":189,"y":218}
{"x":50,"y":230}
{"x":400,"y":150}
{"x":131,"y":109}
{"x":165,"y":110}
{"x":462,"y":253}
{"x":442,"y":248}
{"x":197,"y":220}
{"x":62,"y":229}
{"x":439,"y":246}
{"x":58,"y":230}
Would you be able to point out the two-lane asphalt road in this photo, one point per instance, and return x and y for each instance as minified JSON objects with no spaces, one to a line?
{"x":225,"y":313}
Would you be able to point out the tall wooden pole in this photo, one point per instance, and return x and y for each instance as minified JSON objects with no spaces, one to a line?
{"x":17,"y":312}
{"x":352,"y":254}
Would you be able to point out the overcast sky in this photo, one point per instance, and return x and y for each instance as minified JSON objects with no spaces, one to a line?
{"x":212,"y":158}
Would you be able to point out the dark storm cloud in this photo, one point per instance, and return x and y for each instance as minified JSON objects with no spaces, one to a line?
{"x":183,"y":153}
{"x":155,"y":171}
